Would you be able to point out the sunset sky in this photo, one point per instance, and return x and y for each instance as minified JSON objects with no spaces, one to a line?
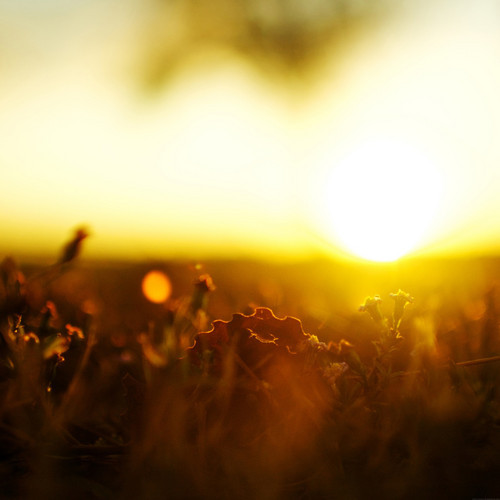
{"x":386,"y":144}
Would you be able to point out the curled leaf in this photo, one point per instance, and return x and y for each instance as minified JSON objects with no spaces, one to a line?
{"x":262,"y":325}
{"x":266,"y":369}
{"x":256,"y":338}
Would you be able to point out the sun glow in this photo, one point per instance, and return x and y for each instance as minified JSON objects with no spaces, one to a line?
{"x":227,"y":159}
{"x":381,"y":199}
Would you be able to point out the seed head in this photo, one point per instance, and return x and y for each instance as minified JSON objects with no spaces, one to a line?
{"x":401,"y":300}
{"x":372,"y":307}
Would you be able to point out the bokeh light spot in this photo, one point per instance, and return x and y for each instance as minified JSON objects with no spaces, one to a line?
{"x":156,"y":286}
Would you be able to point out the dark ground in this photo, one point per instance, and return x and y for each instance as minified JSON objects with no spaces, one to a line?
{"x":393,"y":414}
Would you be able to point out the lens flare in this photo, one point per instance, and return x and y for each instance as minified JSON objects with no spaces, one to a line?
{"x":156,"y":287}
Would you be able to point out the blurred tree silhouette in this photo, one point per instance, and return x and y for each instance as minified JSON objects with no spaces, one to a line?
{"x":280,"y":36}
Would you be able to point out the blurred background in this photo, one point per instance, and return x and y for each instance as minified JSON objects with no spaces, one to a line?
{"x":253,"y":128}
{"x":308,"y":156}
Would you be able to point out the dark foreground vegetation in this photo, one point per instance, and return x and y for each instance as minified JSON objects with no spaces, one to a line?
{"x":105,"y":395}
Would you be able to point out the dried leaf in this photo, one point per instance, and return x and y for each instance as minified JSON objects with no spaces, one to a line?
{"x":256,"y":339}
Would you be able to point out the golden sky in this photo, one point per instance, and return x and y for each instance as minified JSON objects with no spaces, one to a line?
{"x":387,"y":144}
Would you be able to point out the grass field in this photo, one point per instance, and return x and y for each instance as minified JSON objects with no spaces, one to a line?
{"x":295,"y":394}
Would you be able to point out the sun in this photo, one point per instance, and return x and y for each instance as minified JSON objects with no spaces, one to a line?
{"x":381,"y":199}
